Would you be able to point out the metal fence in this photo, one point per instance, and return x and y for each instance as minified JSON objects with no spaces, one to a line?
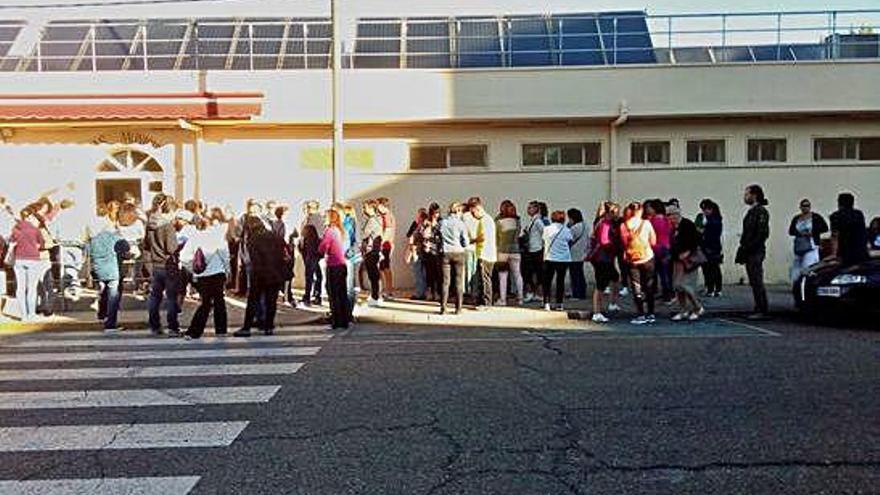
{"x":609,"y":38}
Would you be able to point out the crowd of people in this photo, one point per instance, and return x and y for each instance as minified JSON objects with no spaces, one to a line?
{"x":174,"y":250}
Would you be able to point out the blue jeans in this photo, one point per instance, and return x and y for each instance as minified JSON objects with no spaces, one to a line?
{"x":28,"y":274}
{"x":418,"y":271}
{"x":471,"y":282}
{"x":163,"y":282}
{"x":108,"y":304}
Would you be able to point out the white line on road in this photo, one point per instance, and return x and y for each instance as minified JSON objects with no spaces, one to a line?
{"x":148,"y":397}
{"x":120,"y":436}
{"x":67,"y":334}
{"x":771,"y":333}
{"x":152,"y":355}
{"x":149,"y":372}
{"x":102,"y":486}
{"x":122,"y":342}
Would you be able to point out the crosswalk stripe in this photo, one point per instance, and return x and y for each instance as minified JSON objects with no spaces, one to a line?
{"x":121,"y":342}
{"x":149,"y":372}
{"x":77,"y":334}
{"x":102,"y":486}
{"x":148,"y":397}
{"x":191,"y":353}
{"x":120,"y":436}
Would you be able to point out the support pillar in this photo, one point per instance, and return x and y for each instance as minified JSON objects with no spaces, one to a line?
{"x":178,"y":172}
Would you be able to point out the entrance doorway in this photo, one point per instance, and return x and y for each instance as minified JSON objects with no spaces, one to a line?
{"x":128,"y":173}
{"x":117,"y":190}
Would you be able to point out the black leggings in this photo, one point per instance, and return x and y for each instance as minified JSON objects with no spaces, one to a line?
{"x":433,"y":273}
{"x":532,"y":271}
{"x":643,"y":284}
{"x":371,"y":263}
{"x":712,"y":276}
{"x":557,"y":269}
{"x":337,"y":289}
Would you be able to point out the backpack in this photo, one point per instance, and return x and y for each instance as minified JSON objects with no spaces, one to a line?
{"x":199,"y":263}
{"x":636,"y":245}
{"x":287,"y":260}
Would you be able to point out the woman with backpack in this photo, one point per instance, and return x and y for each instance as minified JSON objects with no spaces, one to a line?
{"x":602,"y":255}
{"x":206,"y":254}
{"x":639,"y":239}
{"x":371,"y":246}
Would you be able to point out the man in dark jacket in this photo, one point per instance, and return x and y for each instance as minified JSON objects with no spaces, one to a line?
{"x":267,"y":253}
{"x":105,"y":249}
{"x":753,"y":247}
{"x":849,"y":231}
{"x":160,"y":257}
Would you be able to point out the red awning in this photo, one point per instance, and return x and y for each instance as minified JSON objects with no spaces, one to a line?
{"x":150,"y":106}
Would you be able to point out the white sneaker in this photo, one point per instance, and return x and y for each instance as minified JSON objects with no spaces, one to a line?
{"x":624,"y":292}
{"x":681,"y":316}
{"x":373,"y":303}
{"x":639,"y":320}
{"x":547,"y":307}
{"x":599,"y":318}
{"x":613,"y":308}
{"x":529,"y":298}
{"x":697,"y":314}
{"x":651,"y":319}
{"x":112,"y":331}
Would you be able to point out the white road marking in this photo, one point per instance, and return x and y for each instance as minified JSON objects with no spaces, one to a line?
{"x":102,"y":486}
{"x":148,"y":397}
{"x":66,"y":334}
{"x":771,"y":333}
{"x":152,"y":355}
{"x":149,"y":372}
{"x":122,"y":342}
{"x":120,"y":436}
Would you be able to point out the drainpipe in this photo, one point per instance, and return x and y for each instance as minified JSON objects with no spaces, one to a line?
{"x":622,"y":117}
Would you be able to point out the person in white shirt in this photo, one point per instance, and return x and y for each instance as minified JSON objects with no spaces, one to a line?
{"x":471,"y":282}
{"x":532,"y":241}
{"x":557,"y":257}
{"x":485,"y":248}
{"x":209,"y":279}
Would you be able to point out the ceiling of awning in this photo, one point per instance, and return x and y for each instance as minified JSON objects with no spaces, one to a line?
{"x":130,"y":107}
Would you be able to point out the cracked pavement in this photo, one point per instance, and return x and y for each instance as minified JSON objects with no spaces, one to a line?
{"x":444,"y":410}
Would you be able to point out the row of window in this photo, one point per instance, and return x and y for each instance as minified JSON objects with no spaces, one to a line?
{"x":426,"y":157}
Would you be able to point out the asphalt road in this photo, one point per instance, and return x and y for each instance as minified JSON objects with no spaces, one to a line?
{"x":721,"y":406}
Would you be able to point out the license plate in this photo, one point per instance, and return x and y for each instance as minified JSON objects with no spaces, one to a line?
{"x":828,"y":292}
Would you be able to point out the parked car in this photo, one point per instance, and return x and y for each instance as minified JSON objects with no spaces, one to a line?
{"x":829,"y":286}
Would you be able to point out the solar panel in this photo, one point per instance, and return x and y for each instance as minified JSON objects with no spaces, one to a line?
{"x":578,"y":40}
{"x":530,"y":42}
{"x":733,"y":54}
{"x":692,"y":55}
{"x":318,"y":44}
{"x":854,"y":45}
{"x":427,"y":43}
{"x":378,"y":44}
{"x":9,"y":31}
{"x":479,"y":43}
{"x":809,"y":52}
{"x":626,"y":38}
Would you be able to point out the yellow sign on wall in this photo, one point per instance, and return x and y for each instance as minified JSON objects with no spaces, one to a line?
{"x":321,"y":159}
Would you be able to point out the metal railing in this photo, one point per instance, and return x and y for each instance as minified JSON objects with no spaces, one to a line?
{"x":503,"y":41}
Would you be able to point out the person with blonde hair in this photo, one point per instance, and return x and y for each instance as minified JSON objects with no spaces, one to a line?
{"x":639,"y":240}
{"x":333,"y":249}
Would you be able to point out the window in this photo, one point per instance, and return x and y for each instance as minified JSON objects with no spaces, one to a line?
{"x":561,"y":154}
{"x":864,"y":149}
{"x":767,"y":150}
{"x":706,"y":151}
{"x":438,"y":157}
{"x":649,"y":152}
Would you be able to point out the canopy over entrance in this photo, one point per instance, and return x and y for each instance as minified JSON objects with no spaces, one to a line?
{"x":129,"y":107}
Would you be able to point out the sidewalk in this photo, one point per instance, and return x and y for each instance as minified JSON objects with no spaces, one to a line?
{"x":736,"y":301}
{"x":133,"y":315}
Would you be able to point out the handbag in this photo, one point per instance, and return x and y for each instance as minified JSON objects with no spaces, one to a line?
{"x":803,"y":245}
{"x":524,"y":238}
{"x":199,"y":263}
{"x":695,"y":260}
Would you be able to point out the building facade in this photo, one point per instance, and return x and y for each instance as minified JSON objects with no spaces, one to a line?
{"x":258,"y":125}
